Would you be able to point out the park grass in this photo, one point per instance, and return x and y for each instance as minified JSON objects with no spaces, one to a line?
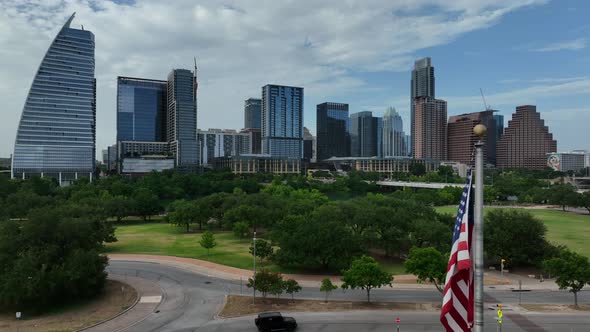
{"x":565,"y":228}
{"x":170,"y":240}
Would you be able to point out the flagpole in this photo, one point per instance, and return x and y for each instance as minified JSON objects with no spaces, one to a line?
{"x":479,"y":131}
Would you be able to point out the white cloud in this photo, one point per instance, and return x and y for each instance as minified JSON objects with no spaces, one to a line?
{"x":240,"y":46}
{"x":568,"y":45}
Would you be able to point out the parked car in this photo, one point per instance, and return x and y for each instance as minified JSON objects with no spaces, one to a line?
{"x":274,"y":321}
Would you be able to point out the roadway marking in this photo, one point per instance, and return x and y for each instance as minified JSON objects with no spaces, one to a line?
{"x":150,"y":299}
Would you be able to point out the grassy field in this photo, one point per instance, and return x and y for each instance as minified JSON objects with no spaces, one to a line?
{"x":567,"y":228}
{"x":170,"y":240}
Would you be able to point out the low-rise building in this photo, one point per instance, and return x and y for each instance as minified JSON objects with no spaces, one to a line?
{"x":260,"y":163}
{"x":566,"y":161}
{"x":384,"y":165}
{"x":146,"y":164}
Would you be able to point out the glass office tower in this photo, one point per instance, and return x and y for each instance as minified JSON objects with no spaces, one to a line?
{"x":282,"y":121}
{"x":333,"y":138}
{"x":252,"y":113}
{"x":56,"y":135}
{"x":141,"y":109}
{"x":182,"y":118}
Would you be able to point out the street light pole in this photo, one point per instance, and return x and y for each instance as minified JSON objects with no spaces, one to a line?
{"x":479,"y":131}
{"x":254,"y":277}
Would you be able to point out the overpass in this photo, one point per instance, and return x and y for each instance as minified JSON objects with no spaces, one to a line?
{"x":429,"y":185}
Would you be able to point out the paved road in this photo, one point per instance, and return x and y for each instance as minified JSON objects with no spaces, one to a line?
{"x":191,"y":300}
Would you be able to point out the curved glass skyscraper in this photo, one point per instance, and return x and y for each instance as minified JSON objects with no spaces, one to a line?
{"x":57,"y":131}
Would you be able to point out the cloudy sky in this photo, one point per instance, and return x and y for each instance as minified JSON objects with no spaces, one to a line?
{"x":357,"y":52}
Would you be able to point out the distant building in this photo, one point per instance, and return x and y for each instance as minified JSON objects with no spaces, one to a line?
{"x":422,"y":85}
{"x":309,"y":145}
{"x":408,"y":141}
{"x":256,"y":137}
{"x":56,"y":136}
{"x":181,"y":121}
{"x":430,"y":128}
{"x":253,"y":113}
{"x":146,"y":164}
{"x":5,"y":162}
{"x":333,"y":138}
{"x":526,"y":141}
{"x":364,"y":134}
{"x":215,"y":143}
{"x":499,"y":119}
{"x":461,"y":139}
{"x":383,"y":165}
{"x":394,"y":138}
{"x":282,"y":121}
{"x":252,"y":164}
{"x":566,"y":161}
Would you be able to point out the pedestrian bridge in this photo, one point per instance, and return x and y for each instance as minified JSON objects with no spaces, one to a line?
{"x":429,"y":185}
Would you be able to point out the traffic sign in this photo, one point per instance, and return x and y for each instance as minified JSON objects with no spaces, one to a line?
{"x":397,"y":320}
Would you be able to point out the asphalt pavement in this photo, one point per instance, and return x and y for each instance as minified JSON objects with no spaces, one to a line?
{"x":191,"y":300}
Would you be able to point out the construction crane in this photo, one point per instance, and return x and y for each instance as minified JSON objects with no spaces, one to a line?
{"x":487,"y":107}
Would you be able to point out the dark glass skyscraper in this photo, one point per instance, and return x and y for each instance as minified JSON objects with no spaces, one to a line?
{"x":57,"y":131}
{"x":182,"y":117}
{"x":141,"y":109}
{"x":252,"y":113}
{"x":333,"y":138}
{"x":422,"y":85}
{"x":282,"y":121}
{"x":364,"y":134}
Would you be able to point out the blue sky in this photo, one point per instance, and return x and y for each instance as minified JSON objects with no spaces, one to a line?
{"x":359,"y":52}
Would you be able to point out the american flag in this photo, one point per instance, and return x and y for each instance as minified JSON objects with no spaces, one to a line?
{"x":457,"y":306}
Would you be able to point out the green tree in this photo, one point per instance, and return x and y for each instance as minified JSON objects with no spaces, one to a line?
{"x":264,"y":249}
{"x":417,"y":169}
{"x":208,"y":241}
{"x":266,"y":281}
{"x":584,"y":200}
{"x":563,"y":195}
{"x":183,"y":213}
{"x":241,"y":229}
{"x":51,"y":257}
{"x":516,"y":236}
{"x":571,"y":271}
{"x":327,"y":287}
{"x":292,"y":287}
{"x":146,"y":203}
{"x":365,"y":273}
{"x":118,"y":207}
{"x":427,"y":264}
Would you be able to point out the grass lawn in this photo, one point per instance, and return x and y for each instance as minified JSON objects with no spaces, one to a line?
{"x":171,"y":240}
{"x":567,"y":228}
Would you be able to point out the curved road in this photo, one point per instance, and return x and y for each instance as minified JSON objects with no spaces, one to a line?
{"x":191,"y":300}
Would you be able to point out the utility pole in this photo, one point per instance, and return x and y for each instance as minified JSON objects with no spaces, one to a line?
{"x":479,"y":131}
{"x":254,"y":277}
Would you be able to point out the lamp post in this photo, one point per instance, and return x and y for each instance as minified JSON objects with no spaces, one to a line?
{"x":254,"y":277}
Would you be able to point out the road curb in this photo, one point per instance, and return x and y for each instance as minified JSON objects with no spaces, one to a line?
{"x":117,"y":315}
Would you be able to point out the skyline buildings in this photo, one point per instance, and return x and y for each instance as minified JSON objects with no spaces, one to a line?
{"x":364,"y":135}
{"x":282,"y":121}
{"x":430,"y":129}
{"x":526,"y":141}
{"x":422,"y":85}
{"x":253,"y":113}
{"x":461,"y":139}
{"x":56,"y":136}
{"x":182,"y":117}
{"x":394,"y":138}
{"x":332,"y":130}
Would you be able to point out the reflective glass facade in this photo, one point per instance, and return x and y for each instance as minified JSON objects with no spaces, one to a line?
{"x":282,"y":121}
{"x":253,"y":113}
{"x":364,"y":134}
{"x":394,"y":138}
{"x":57,"y":129}
{"x":182,"y":117}
{"x":141,"y":109}
{"x":333,"y":138}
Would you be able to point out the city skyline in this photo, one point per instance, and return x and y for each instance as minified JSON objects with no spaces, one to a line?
{"x":466,"y":54}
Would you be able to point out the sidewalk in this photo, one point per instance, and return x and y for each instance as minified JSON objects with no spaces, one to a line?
{"x":492,"y":278}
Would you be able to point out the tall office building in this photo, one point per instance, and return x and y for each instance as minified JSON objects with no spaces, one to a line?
{"x":499,"y":126}
{"x":526,"y":141}
{"x":461,"y":139}
{"x":364,"y":134}
{"x":309,"y":145}
{"x":56,"y":136}
{"x":215,"y":143}
{"x":182,"y":117}
{"x":394,"y":138}
{"x":141,"y":109}
{"x":253,"y":113}
{"x":333,"y":138}
{"x":422,"y":85}
{"x":430,"y":128}
{"x":282,"y":121}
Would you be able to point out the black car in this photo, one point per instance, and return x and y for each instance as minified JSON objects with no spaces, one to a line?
{"x":274,"y":321}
